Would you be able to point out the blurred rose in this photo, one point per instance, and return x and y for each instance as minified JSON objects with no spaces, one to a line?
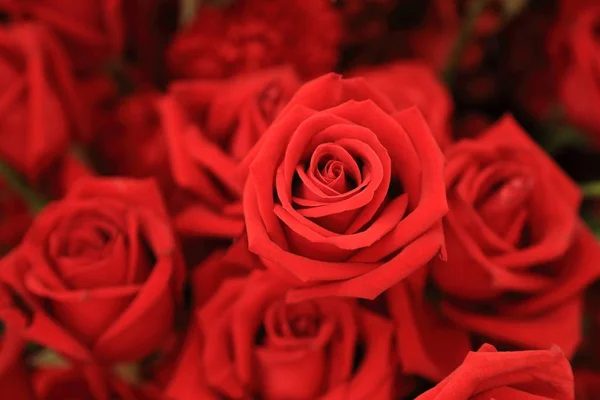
{"x":222,"y":122}
{"x":90,"y":30}
{"x":253,"y":34}
{"x":39,"y":111}
{"x":519,"y":257}
{"x":580,"y":86}
{"x":256,"y":344}
{"x":97,"y":269}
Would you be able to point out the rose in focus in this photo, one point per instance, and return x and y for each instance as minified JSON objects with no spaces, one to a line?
{"x":345,"y":193}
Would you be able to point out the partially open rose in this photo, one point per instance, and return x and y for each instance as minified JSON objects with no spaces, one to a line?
{"x":519,"y":256}
{"x":342,"y":195}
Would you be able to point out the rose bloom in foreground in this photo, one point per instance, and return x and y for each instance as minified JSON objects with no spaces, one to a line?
{"x":249,"y":343}
{"x":96,"y":271}
{"x":344,"y":192}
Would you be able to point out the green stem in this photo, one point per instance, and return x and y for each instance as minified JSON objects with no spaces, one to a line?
{"x":591,"y":189}
{"x":476,"y":7}
{"x":34,"y":200}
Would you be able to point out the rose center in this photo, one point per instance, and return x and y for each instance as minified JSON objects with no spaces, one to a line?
{"x":505,"y":207}
{"x":302,"y":320}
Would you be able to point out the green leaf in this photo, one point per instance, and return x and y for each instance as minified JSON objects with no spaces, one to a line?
{"x":591,"y":189}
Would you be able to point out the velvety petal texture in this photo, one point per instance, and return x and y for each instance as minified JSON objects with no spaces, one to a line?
{"x":519,"y":257}
{"x":95,"y":270}
{"x":344,"y":193}
{"x":488,"y":374}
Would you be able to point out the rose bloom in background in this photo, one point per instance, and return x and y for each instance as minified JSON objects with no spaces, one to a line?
{"x":299,"y":200}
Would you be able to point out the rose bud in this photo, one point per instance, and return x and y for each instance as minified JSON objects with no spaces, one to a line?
{"x":39,"y":110}
{"x":97,"y":270}
{"x":343,"y":192}
{"x":255,"y":345}
{"x":488,"y":374}
{"x":519,"y":257}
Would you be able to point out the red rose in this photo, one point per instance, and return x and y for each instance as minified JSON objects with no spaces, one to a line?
{"x":90,"y":30}
{"x":488,"y":374}
{"x":253,"y":34}
{"x":518,"y":254}
{"x":416,"y":84}
{"x":97,"y":270}
{"x":39,"y":109}
{"x":580,"y":86}
{"x":228,"y":118}
{"x":256,"y":344}
{"x":344,"y":192}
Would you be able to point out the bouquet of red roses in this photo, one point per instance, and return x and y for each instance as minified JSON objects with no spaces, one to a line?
{"x":299,"y":199}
